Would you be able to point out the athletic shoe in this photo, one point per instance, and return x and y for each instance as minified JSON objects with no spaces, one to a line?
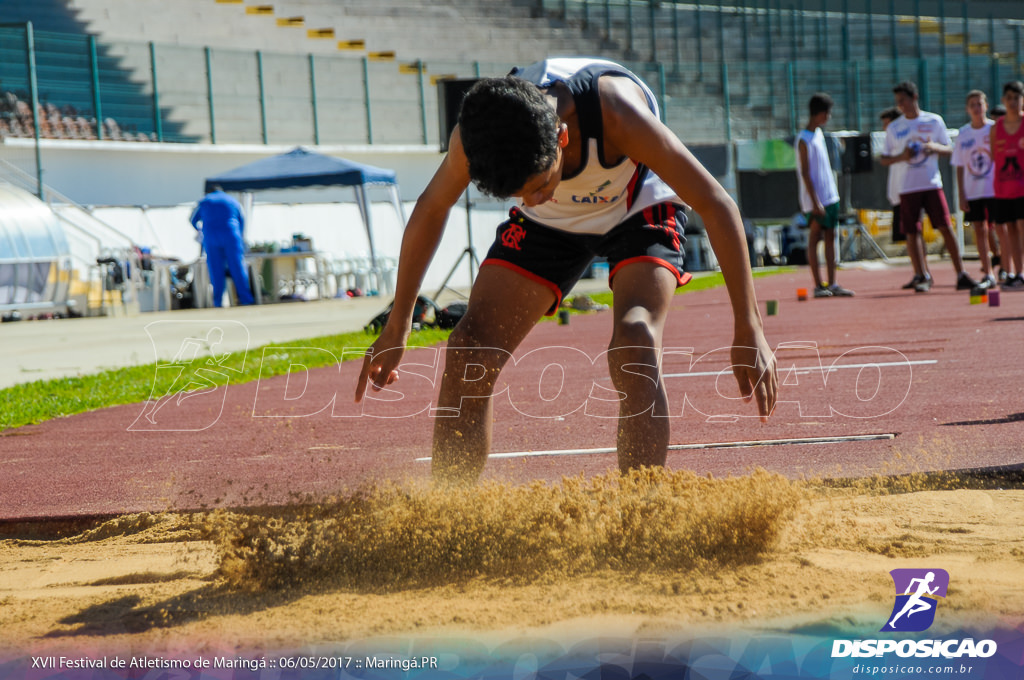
{"x":1002,"y":275}
{"x":1013,"y":283}
{"x":822,"y":292}
{"x":987,"y":282}
{"x":839,"y":291}
{"x":910,"y":285}
{"x":965,"y":282}
{"x":924,"y":285}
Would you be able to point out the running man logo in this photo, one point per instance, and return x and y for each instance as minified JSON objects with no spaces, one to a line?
{"x":513,"y":236}
{"x":190,"y":388}
{"x":917,"y":593}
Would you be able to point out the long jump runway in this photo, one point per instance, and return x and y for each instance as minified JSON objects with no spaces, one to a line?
{"x":886,"y":382}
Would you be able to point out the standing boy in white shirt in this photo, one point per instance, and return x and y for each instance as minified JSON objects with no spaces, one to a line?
{"x":819,"y":195}
{"x":972,"y":158}
{"x":917,"y":139}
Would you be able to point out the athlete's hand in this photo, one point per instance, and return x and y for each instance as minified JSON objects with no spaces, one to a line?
{"x":380,"y":365}
{"x":753,"y":364}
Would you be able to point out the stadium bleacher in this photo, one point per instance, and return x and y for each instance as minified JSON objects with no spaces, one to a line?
{"x":231,"y":71}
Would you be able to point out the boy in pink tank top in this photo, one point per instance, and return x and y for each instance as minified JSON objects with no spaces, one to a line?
{"x":1008,"y":158}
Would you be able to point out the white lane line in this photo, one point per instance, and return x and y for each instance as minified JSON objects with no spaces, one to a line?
{"x":810,"y":369}
{"x":713,"y":445}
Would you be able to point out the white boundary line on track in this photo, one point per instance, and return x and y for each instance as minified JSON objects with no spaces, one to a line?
{"x":809,"y":369}
{"x":712,"y":445}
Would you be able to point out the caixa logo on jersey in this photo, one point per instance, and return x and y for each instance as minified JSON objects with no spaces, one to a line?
{"x":917,"y":597}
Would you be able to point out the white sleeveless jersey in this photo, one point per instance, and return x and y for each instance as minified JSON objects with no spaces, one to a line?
{"x":598,"y":197}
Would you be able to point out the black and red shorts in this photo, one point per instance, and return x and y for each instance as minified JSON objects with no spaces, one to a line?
{"x":979,"y":210}
{"x":1007,"y":210}
{"x":557,"y":259}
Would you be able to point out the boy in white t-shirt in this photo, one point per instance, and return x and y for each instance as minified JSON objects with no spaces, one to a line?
{"x":972,"y":158}
{"x":819,"y":195}
{"x":917,"y":139}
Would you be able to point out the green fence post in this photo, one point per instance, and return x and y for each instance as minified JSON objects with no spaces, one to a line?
{"x":923,"y":85}
{"x":846,"y":62}
{"x":651,"y":11}
{"x":846,"y":33}
{"x":263,"y":97}
{"x":662,"y":91}
{"x":943,"y":74}
{"x":97,"y":105}
{"x":721,"y":32}
{"x":967,"y":49}
{"x":1018,"y":57}
{"x":892,"y":42}
{"x":870,"y":46}
{"x":793,"y":50}
{"x":675,"y":37}
{"x":607,"y":19}
{"x":822,"y":45}
{"x":992,"y":52}
{"x":746,"y":49}
{"x":768,"y":48}
{"x":994,"y":68}
{"x":366,"y":100}
{"x":158,"y":122}
{"x":917,"y":28}
{"x":856,"y":94}
{"x":629,"y":28}
{"x":420,"y":70}
{"x":725,"y":101}
{"x":33,"y":88}
{"x":700,"y":46}
{"x":802,"y":18}
{"x":209,"y":94}
{"x":791,"y":89}
{"x":312,"y":98}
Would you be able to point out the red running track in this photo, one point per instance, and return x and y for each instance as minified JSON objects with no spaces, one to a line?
{"x":936,"y":373}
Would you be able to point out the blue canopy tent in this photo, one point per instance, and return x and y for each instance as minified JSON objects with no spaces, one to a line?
{"x":300,"y":168}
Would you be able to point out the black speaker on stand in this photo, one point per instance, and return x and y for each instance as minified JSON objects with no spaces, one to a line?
{"x":857,"y":154}
{"x":856,"y":160}
{"x":450,"y":93}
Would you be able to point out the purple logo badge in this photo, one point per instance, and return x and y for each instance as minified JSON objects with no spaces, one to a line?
{"x":917,"y":593}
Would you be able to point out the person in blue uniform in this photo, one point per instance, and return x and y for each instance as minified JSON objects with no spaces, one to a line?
{"x":579,"y":143}
{"x":219,"y":219}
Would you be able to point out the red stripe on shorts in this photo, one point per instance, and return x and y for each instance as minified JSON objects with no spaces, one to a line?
{"x":682,"y":278}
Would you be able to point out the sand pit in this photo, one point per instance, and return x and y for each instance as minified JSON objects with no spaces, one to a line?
{"x":663,"y":554}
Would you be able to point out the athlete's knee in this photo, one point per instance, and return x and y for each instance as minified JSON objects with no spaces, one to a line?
{"x":635,"y":330}
{"x":633,"y":354}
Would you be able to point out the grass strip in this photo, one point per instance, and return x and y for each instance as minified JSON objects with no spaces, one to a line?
{"x":42,"y":400}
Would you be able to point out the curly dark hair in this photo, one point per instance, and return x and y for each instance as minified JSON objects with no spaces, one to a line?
{"x":509,"y":133}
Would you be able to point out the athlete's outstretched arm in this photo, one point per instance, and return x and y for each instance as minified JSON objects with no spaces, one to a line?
{"x":419,"y":243}
{"x":633,"y":129}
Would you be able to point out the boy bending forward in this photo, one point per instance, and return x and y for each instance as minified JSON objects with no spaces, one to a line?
{"x":580,"y":144}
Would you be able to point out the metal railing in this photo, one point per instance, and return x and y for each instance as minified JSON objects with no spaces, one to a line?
{"x":721,"y":71}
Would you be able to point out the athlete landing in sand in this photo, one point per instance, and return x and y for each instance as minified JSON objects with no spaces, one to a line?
{"x":580,"y":144}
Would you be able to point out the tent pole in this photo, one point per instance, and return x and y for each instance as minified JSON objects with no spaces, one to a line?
{"x":364,"y":208}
